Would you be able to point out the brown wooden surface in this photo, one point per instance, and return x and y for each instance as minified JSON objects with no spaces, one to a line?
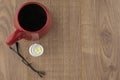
{"x":83,"y":43}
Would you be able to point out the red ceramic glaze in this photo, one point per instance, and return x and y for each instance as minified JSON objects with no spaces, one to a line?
{"x":21,"y":33}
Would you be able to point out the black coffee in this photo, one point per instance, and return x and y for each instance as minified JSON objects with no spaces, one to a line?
{"x":32,"y":17}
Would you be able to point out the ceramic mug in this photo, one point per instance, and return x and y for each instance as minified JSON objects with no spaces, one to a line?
{"x":32,"y":21}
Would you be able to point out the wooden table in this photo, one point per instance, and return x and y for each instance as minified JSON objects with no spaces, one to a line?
{"x":83,"y":43}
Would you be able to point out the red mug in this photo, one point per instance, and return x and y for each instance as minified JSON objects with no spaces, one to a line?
{"x":32,"y":21}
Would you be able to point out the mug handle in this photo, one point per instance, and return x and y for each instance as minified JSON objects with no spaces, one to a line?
{"x":17,"y":35}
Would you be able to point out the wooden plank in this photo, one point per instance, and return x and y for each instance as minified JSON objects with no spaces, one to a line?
{"x":61,"y":59}
{"x":100,"y":39}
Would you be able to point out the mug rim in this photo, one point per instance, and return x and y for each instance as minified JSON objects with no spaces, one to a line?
{"x":48,"y":20}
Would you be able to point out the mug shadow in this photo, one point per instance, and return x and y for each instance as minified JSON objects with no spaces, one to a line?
{"x":53,"y":41}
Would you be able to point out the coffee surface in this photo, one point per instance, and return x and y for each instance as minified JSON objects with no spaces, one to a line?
{"x":32,"y":17}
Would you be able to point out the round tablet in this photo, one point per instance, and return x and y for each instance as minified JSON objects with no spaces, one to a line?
{"x":36,"y":50}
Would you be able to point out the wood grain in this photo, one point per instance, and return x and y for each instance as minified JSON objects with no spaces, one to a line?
{"x":83,"y":43}
{"x":100,"y":39}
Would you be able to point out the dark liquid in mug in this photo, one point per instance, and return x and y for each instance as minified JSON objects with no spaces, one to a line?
{"x":32,"y":17}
